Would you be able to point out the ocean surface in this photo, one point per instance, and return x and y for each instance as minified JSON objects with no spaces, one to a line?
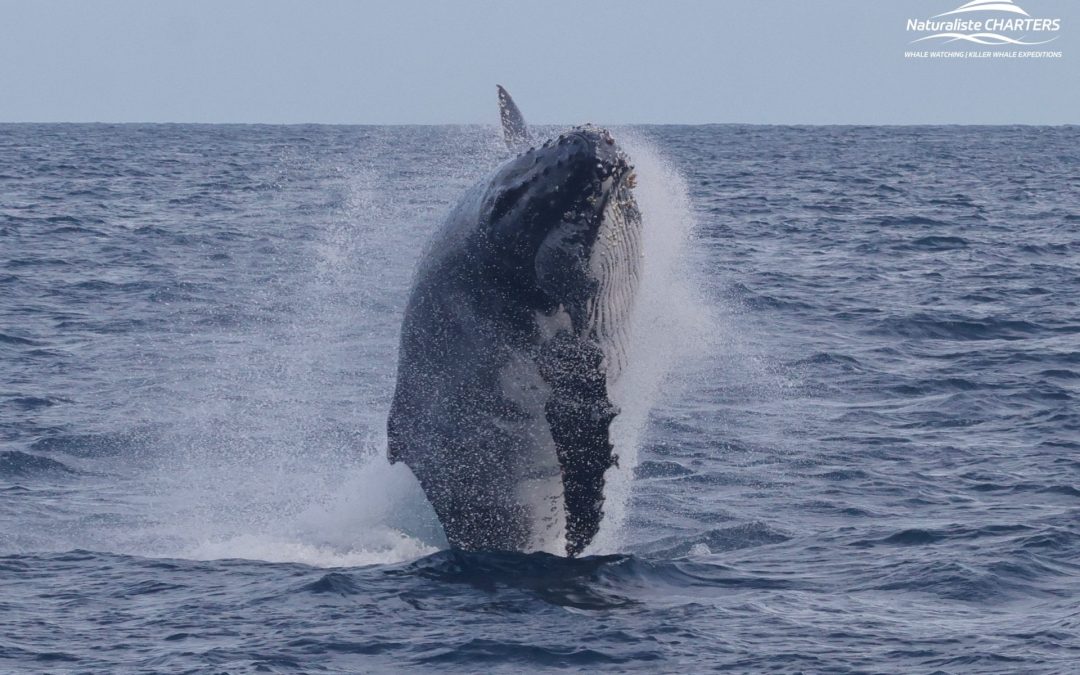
{"x":850,"y":438}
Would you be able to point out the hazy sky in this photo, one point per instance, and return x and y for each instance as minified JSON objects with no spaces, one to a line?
{"x":609,"y":61}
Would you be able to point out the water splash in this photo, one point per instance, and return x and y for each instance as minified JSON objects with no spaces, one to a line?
{"x":276,"y":451}
{"x":271,"y":445}
{"x":672,"y":322}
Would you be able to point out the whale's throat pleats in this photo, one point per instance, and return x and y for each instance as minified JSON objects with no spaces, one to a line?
{"x":577,"y":363}
{"x":615,"y":264}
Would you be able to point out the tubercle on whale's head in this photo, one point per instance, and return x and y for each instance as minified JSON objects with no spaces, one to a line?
{"x":567,"y":181}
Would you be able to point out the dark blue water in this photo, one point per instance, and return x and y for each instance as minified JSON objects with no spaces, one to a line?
{"x":865,"y":456}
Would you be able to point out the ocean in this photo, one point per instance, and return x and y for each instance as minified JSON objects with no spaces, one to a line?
{"x":849,"y":440}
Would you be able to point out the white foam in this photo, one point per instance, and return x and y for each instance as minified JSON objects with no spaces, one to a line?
{"x":395,"y":547}
{"x":671,"y":323}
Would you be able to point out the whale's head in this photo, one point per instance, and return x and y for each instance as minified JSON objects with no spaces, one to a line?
{"x":562,"y":213}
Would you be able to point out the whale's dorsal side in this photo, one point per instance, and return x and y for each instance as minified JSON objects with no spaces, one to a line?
{"x":515,"y":131}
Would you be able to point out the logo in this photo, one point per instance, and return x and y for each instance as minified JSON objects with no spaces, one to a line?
{"x":984,"y":23}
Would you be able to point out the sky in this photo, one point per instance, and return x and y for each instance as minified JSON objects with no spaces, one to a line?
{"x":434,"y":62}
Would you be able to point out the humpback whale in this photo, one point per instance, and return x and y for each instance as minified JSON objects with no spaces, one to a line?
{"x":514,"y":331}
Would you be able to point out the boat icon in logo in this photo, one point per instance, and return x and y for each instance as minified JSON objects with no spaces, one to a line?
{"x":986,"y":6}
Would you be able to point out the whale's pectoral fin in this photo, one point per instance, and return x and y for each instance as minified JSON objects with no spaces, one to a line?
{"x":515,"y":131}
{"x":579,"y":413}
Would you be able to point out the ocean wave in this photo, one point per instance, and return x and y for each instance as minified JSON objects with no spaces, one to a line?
{"x":934,"y":243}
{"x":952,"y":327}
{"x":17,"y":464}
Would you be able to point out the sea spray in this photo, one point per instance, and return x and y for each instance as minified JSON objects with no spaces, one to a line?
{"x":671,"y":322}
{"x":278,"y":450}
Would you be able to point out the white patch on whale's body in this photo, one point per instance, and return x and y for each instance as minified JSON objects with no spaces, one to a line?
{"x":539,"y":488}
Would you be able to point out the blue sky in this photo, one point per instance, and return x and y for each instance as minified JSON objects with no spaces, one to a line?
{"x":406,"y":61}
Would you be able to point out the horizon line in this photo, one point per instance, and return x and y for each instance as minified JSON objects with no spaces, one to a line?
{"x":558,"y":124}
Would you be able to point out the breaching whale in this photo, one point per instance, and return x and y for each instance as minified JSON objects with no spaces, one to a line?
{"x":514,"y":331}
